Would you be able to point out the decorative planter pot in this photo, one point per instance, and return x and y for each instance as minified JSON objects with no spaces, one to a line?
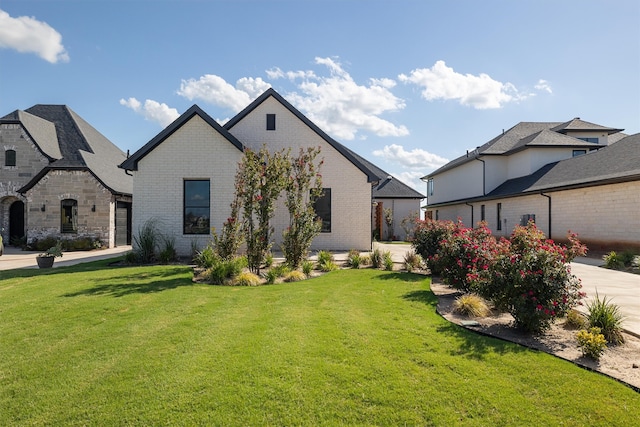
{"x":45,"y":261}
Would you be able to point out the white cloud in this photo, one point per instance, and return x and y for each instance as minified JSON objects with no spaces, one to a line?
{"x":215,"y":90}
{"x":480,"y":92}
{"x":152,"y":110}
{"x":28,"y":35}
{"x":414,"y":159}
{"x":340,"y":106}
{"x":543,"y":85}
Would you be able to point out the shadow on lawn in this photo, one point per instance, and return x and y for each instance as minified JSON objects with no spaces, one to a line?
{"x":138,"y":283}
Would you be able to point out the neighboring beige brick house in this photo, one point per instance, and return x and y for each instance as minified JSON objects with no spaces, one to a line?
{"x":574,"y":176}
{"x":184,"y":177}
{"x":59,"y":178}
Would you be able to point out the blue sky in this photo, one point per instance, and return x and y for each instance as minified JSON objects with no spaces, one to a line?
{"x":406,"y":84}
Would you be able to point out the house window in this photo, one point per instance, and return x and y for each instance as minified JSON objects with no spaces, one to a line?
{"x":69,"y":216}
{"x":271,"y":122}
{"x":481,"y":212}
{"x":524,"y":219}
{"x":594,"y":140}
{"x":499,"y":216}
{"x":430,"y":187}
{"x":196,"y":206}
{"x":437,"y":215}
{"x":579,"y":152}
{"x":10,"y":158}
{"x":322,"y":208}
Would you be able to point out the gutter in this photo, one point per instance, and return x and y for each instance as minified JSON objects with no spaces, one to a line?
{"x":484,"y":193}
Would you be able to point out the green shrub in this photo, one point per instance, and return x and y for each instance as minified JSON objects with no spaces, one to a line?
{"x":294,"y":276}
{"x":307,"y":267}
{"x":387,"y":261}
{"x":365,"y":260}
{"x":471,"y":305}
{"x":427,"y":239}
{"x":354,"y":259}
{"x":207,"y":257}
{"x":146,"y":241}
{"x":223,"y":271}
{"x":131,"y":257}
{"x":603,"y":314}
{"x":324,"y":256}
{"x":328,"y":266}
{"x":376,"y":258}
{"x":168,"y":251}
{"x":575,"y":319}
{"x":412,"y":261}
{"x":626,"y":257}
{"x":613,"y":260}
{"x":246,"y":278}
{"x":270,"y":276}
{"x":592,"y":343}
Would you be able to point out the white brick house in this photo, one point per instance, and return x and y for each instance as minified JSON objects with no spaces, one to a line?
{"x":197,"y":151}
{"x":574,"y":176}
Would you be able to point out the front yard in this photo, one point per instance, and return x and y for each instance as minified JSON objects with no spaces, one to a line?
{"x":97,"y":345}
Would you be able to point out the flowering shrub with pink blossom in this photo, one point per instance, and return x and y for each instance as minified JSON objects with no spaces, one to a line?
{"x":531,"y":278}
{"x":527,"y":275}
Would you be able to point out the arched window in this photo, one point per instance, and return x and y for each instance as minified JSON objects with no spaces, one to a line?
{"x":10,"y":158}
{"x":69,"y":216}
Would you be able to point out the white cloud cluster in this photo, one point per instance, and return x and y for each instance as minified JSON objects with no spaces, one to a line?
{"x":340,"y":106}
{"x":152,"y":110}
{"x":28,"y":35}
{"x":215,"y":90}
{"x":543,"y":85}
{"x":416,"y":158}
{"x":480,"y":92}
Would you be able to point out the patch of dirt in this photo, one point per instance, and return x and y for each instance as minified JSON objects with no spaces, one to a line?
{"x":621,"y":362}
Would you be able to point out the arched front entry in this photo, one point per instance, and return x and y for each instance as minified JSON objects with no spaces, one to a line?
{"x":16,"y":220}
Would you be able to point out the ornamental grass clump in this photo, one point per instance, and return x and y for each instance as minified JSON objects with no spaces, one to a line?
{"x":294,"y":276}
{"x":603,"y":314}
{"x":591,"y":342}
{"x":412,"y":261}
{"x":387,"y":260}
{"x":471,"y":305}
{"x":246,"y":278}
{"x":376,"y":258}
{"x":354,"y":259}
{"x":575,"y":319}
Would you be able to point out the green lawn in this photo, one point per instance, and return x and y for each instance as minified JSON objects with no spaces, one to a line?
{"x":98,"y":345}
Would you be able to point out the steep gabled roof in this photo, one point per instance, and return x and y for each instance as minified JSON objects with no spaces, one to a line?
{"x":132,"y":162}
{"x":615,"y":162}
{"x":371,"y":176}
{"x":71,"y":143}
{"x":388,"y":187}
{"x":527,"y":134}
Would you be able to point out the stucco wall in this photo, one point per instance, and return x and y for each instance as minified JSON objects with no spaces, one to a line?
{"x":194,"y":151}
{"x":350,"y":191}
{"x":401,"y":209}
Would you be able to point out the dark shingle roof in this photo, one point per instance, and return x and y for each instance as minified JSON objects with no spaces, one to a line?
{"x":131,"y":163}
{"x":371,"y":176}
{"x":71,"y":143}
{"x":615,"y":162}
{"x":526,"y":134}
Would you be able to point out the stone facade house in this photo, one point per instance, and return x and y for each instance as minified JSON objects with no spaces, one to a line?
{"x":575,"y":176}
{"x":184,"y":177}
{"x":59,"y":177}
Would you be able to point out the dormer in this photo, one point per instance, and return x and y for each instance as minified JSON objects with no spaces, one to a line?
{"x":585,"y":131}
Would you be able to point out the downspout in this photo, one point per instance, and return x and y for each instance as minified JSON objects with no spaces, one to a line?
{"x":549,"y":198}
{"x":469,"y":204}
{"x":484,"y":193}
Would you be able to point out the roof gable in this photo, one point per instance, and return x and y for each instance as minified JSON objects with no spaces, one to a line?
{"x":42,"y":132}
{"x":131,"y":163}
{"x":348,"y":154}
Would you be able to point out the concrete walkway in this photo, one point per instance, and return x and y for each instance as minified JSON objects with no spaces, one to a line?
{"x":621,"y":288}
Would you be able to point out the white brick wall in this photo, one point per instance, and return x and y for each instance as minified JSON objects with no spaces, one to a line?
{"x":350,"y":191}
{"x":195,"y":151}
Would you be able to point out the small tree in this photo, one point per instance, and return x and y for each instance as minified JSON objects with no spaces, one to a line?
{"x":388,"y":219}
{"x":303,"y":185}
{"x":409,"y":223}
{"x":259,"y":182}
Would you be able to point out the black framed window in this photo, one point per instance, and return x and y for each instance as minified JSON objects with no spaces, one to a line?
{"x":499,"y":216}
{"x":322,"y":207}
{"x":10,"y":158}
{"x":430,"y":187}
{"x":579,"y":152}
{"x":69,"y":216}
{"x":481,"y":212}
{"x":271,"y":122}
{"x":197,"y":206}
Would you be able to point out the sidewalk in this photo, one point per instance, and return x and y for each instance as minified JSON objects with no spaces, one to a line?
{"x":17,"y":258}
